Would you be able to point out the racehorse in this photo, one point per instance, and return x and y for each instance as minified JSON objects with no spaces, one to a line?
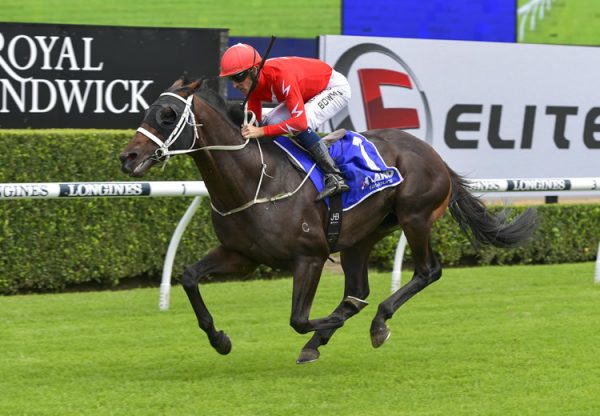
{"x":263,"y":213}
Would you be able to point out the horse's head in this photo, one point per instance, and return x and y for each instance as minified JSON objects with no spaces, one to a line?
{"x":169,"y":127}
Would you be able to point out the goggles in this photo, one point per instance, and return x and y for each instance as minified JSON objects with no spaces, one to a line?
{"x":240,"y":76}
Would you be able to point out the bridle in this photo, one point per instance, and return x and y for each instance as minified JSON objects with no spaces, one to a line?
{"x":188,"y":118}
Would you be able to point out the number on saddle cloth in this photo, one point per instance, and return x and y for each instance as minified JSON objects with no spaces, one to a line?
{"x":358,"y":159}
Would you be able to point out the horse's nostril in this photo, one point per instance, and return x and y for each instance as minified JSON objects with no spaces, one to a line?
{"x":126,"y":157}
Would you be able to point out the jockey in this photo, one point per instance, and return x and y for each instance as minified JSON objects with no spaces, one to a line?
{"x":309,"y":93}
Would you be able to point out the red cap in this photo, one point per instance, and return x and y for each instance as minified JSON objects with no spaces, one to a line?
{"x":238,"y":58}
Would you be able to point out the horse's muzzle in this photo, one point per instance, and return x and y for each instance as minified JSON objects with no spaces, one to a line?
{"x":134,"y":165}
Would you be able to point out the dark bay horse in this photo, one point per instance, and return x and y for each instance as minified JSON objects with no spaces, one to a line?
{"x":289,"y":233}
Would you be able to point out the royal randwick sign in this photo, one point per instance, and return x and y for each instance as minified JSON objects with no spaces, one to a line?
{"x":64,"y":76}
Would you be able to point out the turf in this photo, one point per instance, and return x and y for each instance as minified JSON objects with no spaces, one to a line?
{"x":575,"y":22}
{"x":282,"y":18}
{"x":519,"y":340}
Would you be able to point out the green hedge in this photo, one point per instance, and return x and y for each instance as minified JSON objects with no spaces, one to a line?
{"x":50,"y":245}
{"x":566,"y":233}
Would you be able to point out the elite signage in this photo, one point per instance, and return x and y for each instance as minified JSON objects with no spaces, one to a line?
{"x":492,"y":110}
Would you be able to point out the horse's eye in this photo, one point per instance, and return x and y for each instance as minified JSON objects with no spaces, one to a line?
{"x":166,"y":117}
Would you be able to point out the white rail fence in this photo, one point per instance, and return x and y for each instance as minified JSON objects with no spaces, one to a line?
{"x":511,"y":185}
{"x":101,"y":189}
{"x":197,"y":189}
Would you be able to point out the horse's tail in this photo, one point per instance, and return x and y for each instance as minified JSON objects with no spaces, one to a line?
{"x":497,"y":230}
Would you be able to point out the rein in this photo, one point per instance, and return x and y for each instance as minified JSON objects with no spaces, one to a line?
{"x":188,"y":118}
{"x":250,"y":118}
{"x":258,"y":200}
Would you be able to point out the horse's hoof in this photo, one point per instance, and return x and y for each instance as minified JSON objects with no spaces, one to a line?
{"x":308,"y":355}
{"x":379,"y":336}
{"x":222,"y":344}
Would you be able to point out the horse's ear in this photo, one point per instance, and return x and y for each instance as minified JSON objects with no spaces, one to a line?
{"x":179,"y":83}
{"x":196,"y":84}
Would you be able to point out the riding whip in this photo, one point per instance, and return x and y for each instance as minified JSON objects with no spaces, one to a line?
{"x":255,"y":79}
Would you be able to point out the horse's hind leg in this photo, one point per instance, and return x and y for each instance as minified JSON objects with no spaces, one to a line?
{"x":355,"y":264}
{"x":427,"y":271}
{"x":218,"y":262}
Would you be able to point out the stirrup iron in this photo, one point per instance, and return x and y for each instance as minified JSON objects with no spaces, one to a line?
{"x":334,"y":184}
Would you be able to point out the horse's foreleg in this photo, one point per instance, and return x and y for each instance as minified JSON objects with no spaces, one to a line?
{"x":307,"y":273}
{"x":355,"y":264}
{"x":427,"y":271}
{"x":218,"y":262}
{"x":349,"y":307}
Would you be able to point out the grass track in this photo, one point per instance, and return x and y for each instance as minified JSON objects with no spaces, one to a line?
{"x":282,"y":18}
{"x":496,"y":340}
{"x":571,"y":22}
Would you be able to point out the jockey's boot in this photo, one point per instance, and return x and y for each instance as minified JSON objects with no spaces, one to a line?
{"x":334,"y":181}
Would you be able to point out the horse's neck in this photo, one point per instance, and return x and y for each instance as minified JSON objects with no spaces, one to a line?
{"x":231,"y":176}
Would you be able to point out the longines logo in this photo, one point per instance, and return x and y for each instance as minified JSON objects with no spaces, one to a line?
{"x":539,"y":185}
{"x":409,"y":107}
{"x":61,"y":57}
{"x":23,"y":190}
{"x":104,"y":189}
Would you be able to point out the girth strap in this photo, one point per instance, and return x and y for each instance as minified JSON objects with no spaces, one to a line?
{"x":334,"y":223}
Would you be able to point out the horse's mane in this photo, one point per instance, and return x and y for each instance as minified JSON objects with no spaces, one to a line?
{"x":207,"y":91}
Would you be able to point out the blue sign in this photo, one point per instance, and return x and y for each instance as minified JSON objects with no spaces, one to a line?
{"x":481,"y":20}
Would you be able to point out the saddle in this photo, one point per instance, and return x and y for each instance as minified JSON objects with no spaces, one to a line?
{"x":358,"y":160}
{"x":334,"y":136}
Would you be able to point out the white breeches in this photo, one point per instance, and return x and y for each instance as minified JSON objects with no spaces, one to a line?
{"x":321,"y":107}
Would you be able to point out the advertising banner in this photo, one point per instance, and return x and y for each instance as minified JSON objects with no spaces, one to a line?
{"x":67,"y":76}
{"x":492,"y":110}
{"x":487,"y":20}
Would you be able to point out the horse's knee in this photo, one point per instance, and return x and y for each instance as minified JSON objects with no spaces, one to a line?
{"x":189,"y":278}
{"x":429,"y":274}
{"x":301,"y":326}
{"x":429,"y":277}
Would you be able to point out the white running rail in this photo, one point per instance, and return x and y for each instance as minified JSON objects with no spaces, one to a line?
{"x":11,"y":191}
{"x":511,"y":185}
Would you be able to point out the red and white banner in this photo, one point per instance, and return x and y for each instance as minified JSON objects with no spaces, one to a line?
{"x":492,"y":110}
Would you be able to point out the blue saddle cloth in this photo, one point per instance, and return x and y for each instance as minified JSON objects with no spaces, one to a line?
{"x":359,"y":161}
